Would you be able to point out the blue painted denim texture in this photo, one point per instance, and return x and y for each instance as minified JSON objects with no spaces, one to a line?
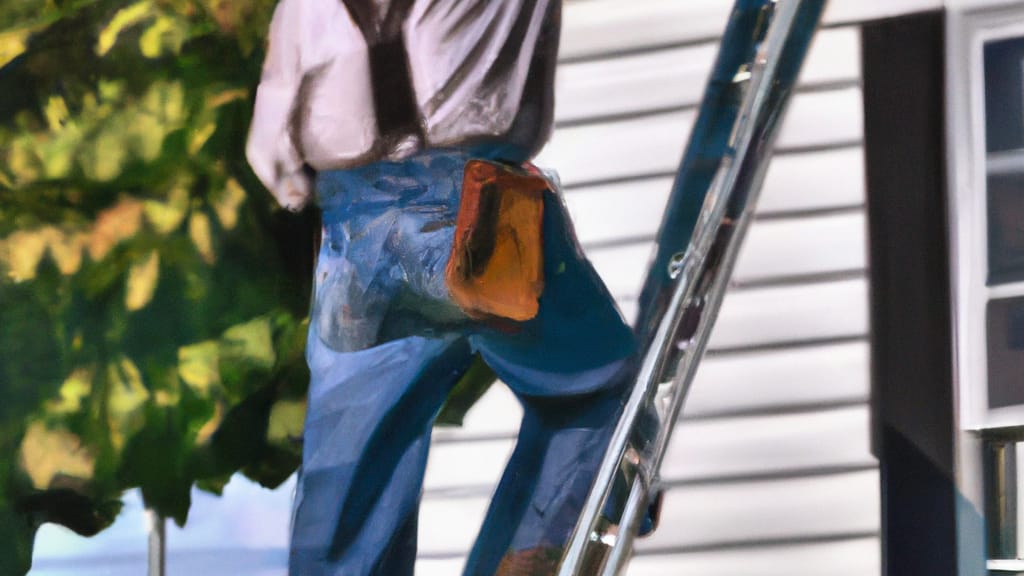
{"x":386,"y":346}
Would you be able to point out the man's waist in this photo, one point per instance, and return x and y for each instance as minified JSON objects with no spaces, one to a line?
{"x":401,"y":146}
{"x":431,"y":176}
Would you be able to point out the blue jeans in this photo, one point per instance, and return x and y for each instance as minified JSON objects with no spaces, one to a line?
{"x":386,"y":345}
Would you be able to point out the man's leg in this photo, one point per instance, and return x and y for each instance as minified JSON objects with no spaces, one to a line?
{"x":569,"y":366}
{"x":546,"y":482}
{"x":366,"y":441}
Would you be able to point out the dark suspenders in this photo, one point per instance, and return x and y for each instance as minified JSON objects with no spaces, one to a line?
{"x":393,"y":96}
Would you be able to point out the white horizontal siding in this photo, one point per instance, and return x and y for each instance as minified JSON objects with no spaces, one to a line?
{"x":711,"y":450}
{"x":602,"y":27}
{"x":647,"y":145}
{"x":607,"y":26}
{"x":814,"y":181}
{"x":488,"y":458}
{"x":824,"y":244}
{"x":763,"y":381}
{"x":438,"y":566}
{"x":705,"y":450}
{"x":769,"y":380}
{"x":701,"y":516}
{"x":787,"y":314}
{"x":823,"y":119}
{"x":847,"y":557}
{"x":497,"y":414}
{"x":795,"y":509}
{"x":792,"y":314}
{"x":862,"y":10}
{"x":449,"y":525}
{"x":675,"y":77}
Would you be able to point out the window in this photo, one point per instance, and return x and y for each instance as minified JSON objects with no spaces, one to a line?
{"x":987,"y":214}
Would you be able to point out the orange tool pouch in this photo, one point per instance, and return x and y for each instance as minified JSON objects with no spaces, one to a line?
{"x":496,"y":268}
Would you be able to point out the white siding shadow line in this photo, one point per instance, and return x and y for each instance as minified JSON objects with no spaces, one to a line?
{"x":780,"y":151}
{"x":598,"y":55}
{"x":809,"y":88}
{"x":787,"y":409}
{"x":795,"y":540}
{"x":780,"y":475}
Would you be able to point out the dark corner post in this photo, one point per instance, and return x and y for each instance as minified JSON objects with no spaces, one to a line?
{"x":914,"y":424}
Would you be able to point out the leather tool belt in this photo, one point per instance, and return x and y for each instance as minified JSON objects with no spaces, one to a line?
{"x":496,"y":268}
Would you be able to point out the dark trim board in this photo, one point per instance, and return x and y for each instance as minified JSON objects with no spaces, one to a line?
{"x":914,"y":426}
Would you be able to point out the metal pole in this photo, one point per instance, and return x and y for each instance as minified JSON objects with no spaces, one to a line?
{"x":157,"y":525}
{"x":700,"y":276}
{"x":1001,"y":499}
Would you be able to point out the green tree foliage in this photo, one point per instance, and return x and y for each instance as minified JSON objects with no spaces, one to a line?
{"x":152,"y":298}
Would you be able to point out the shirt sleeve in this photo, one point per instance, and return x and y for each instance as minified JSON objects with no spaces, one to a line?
{"x":270,"y":149}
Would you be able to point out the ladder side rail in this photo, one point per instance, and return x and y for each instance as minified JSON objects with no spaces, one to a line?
{"x":704,"y":152}
{"x":734,"y":199}
{"x":701,"y":279}
{"x":792,"y":32}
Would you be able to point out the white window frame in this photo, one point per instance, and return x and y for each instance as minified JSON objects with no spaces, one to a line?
{"x":968,"y":212}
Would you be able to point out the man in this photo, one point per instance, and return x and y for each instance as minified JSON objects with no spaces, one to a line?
{"x":413,"y":121}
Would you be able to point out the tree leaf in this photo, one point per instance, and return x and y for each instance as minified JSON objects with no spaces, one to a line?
{"x":227,"y":202}
{"x":48,"y":454}
{"x":202,"y":237}
{"x":12,"y":44}
{"x":66,"y":249}
{"x":102,"y":161}
{"x":126,"y":398}
{"x":142,"y":279}
{"x":287,"y":418}
{"x":199,"y":366}
{"x":166,"y":216}
{"x":56,"y":113}
{"x":21,"y":253}
{"x":114,"y":225}
{"x":122,"y":20}
{"x":73,"y":392}
{"x":167,"y":34}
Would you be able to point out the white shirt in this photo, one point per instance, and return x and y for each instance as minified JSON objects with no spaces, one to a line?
{"x":480,"y":71}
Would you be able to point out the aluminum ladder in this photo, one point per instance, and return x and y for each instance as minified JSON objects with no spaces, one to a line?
{"x":708,"y":213}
